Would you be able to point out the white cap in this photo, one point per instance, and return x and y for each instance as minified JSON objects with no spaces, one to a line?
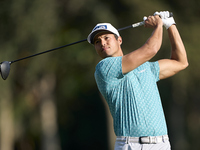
{"x":99,"y":28}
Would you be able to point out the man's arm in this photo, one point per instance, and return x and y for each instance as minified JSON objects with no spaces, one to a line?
{"x":178,"y":61}
{"x":148,"y":50}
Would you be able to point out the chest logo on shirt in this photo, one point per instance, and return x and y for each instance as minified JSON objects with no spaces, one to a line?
{"x":141,"y":71}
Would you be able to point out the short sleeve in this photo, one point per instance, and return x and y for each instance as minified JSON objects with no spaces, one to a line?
{"x":155,"y":69}
{"x":108,"y":74}
{"x":109,"y":69}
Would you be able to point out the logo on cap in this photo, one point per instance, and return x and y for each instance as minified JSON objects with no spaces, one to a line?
{"x":100,"y":27}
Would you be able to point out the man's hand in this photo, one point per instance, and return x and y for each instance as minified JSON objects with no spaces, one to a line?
{"x":152,"y":21}
{"x":167,"y":20}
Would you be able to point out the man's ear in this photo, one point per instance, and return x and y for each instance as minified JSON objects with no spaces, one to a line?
{"x":120,"y":40}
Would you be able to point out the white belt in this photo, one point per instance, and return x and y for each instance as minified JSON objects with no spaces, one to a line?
{"x":144,"y":139}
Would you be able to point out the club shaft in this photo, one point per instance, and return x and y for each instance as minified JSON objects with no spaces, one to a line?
{"x":48,"y":51}
{"x":127,"y":27}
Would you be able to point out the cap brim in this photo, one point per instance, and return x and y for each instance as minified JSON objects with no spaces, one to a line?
{"x":92,"y":36}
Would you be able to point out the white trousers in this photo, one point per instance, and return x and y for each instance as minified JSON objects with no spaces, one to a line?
{"x":124,"y":145}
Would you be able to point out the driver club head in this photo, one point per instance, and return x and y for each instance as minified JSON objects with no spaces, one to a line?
{"x":5,"y":69}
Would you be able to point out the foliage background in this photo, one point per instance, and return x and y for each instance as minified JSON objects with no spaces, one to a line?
{"x":51,"y":102}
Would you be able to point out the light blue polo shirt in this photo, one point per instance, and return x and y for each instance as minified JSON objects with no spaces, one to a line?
{"x":133,"y":98}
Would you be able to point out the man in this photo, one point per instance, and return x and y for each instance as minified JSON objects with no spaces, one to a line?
{"x":128,"y":82}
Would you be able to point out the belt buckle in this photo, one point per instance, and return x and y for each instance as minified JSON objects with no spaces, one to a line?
{"x":147,"y":140}
{"x":143,"y":140}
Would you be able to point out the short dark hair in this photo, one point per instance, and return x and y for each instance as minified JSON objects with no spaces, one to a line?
{"x":116,"y":36}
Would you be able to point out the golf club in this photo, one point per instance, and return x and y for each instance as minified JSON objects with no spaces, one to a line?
{"x":5,"y":65}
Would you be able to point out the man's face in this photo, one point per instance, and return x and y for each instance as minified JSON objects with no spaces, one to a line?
{"x":106,"y":45}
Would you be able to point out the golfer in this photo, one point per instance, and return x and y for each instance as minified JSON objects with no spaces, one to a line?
{"x":129,"y":82}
